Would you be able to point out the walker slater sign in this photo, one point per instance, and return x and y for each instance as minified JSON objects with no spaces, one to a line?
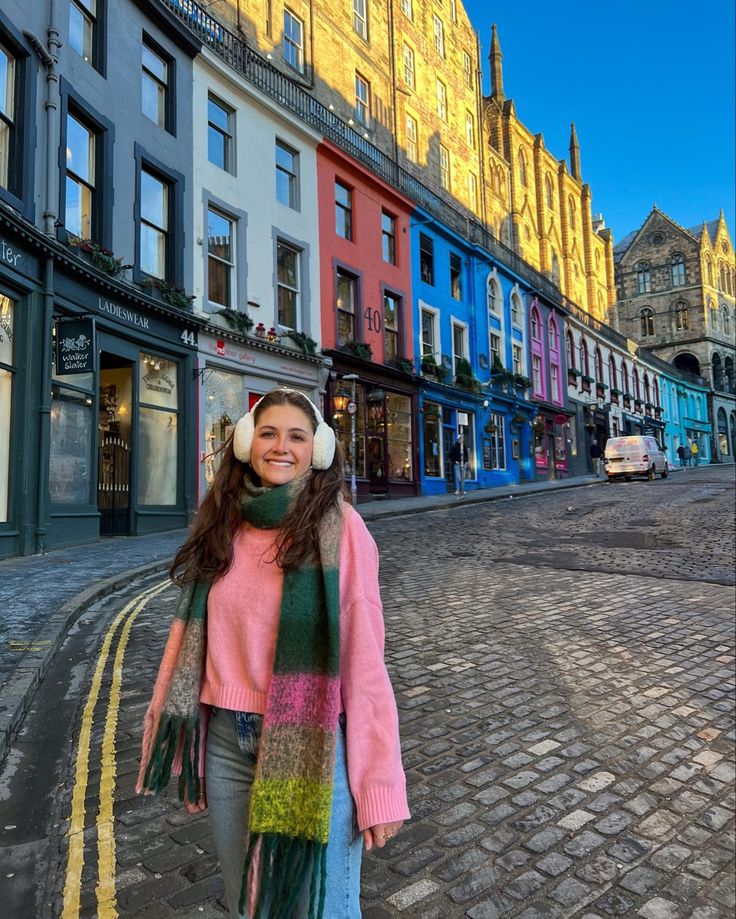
{"x":75,"y":346}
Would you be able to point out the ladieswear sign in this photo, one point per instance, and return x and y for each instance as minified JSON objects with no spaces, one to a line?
{"x":75,"y":346}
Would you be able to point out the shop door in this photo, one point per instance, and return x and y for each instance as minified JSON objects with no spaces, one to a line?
{"x":377,"y":471}
{"x":114,"y":444}
{"x":449,"y":436}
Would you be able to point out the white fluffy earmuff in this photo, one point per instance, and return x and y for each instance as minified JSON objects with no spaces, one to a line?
{"x":323,"y":448}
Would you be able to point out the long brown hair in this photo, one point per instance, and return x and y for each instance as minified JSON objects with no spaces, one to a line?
{"x":208,"y":551}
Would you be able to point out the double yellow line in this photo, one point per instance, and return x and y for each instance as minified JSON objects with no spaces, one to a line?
{"x":105,"y":889}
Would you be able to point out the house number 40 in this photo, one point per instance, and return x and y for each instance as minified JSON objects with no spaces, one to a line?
{"x":373,"y":319}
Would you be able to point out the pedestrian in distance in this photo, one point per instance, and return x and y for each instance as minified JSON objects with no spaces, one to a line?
{"x":596,"y":455}
{"x":681,"y":455}
{"x":459,"y":460}
{"x":688,"y":451}
{"x":272,"y":701}
{"x":695,"y":453}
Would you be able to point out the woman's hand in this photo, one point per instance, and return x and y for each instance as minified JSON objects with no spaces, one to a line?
{"x":197,"y":807}
{"x":380,"y":834}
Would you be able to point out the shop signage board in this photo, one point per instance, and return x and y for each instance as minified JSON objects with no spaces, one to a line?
{"x":75,"y":346}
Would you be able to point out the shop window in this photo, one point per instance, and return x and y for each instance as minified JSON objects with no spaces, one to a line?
{"x":496,"y":458}
{"x":70,"y":446}
{"x":7,"y":307}
{"x":398,"y":438}
{"x":223,"y":408}
{"x":343,"y":211}
{"x":341,"y":422}
{"x":156,"y":84}
{"x":158,"y":427}
{"x":388,"y":238}
{"x":391,"y":327}
{"x":346,"y":308}
{"x":426,"y":258}
{"x":220,"y":130}
{"x":287,"y":175}
{"x":220,"y":258}
{"x":288,"y":264}
{"x":432,"y":439}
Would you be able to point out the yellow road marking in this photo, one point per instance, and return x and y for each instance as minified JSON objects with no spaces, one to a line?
{"x":40,"y":645}
{"x":105,"y":889}
{"x":75,"y":833}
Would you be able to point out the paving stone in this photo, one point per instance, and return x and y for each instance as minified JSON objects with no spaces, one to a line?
{"x":670,"y":856}
{"x":570,"y":892}
{"x":419,"y":858}
{"x":640,"y":880}
{"x":545,"y":840}
{"x":194,"y":894}
{"x":412,"y":894}
{"x":658,"y":824}
{"x":525,"y":885}
{"x":659,"y":908}
{"x":597,"y":782}
{"x":613,"y":904}
{"x":540,"y":911}
{"x":462,"y":836}
{"x":459,"y":864}
{"x":575,"y":820}
{"x":476,"y":883}
{"x":685,"y":886}
{"x":492,"y":908}
{"x":599,"y":870}
{"x":554,"y":864}
{"x":628,"y":849}
{"x":513,"y":860}
{"x":715,"y":818}
{"x":613,"y":824}
{"x":583,"y":844}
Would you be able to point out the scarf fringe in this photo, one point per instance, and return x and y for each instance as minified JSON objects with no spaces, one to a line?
{"x":281,"y":869}
{"x":172,"y":731}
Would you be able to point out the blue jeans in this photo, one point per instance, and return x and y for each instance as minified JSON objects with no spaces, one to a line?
{"x":459,"y":477}
{"x":232,"y":748}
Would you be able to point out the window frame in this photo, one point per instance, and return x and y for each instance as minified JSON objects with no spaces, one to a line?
{"x":388,"y":293}
{"x":445,"y":174}
{"x":456,"y":276}
{"x":470,"y":129}
{"x":283,"y":243}
{"x":646,"y":322}
{"x":677,"y":270}
{"x":412,"y":143}
{"x":426,"y":251}
{"x":467,"y":69}
{"x":104,"y":133}
{"x":229,"y":134}
{"x":19,"y":191}
{"x":346,"y":210}
{"x":457,"y":325}
{"x":434,"y":318}
{"x":288,"y":42}
{"x":441,"y":94}
{"x":388,"y":238}
{"x":355,"y":277}
{"x":232,"y":269}
{"x":98,"y":56}
{"x":473,"y":191}
{"x":682,"y":317}
{"x":362,"y":105}
{"x":407,"y":8}
{"x":408,"y":66}
{"x":294,"y":202}
{"x":438,"y":33}
{"x":643,"y":278}
{"x":175,"y":181}
{"x":361,"y":20}
{"x":169,"y":106}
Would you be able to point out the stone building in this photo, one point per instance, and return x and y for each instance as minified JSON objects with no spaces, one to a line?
{"x":539,"y":206}
{"x":404,"y":75}
{"x":676,"y":291}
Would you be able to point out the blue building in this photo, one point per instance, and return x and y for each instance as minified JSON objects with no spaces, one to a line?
{"x":471,"y":346}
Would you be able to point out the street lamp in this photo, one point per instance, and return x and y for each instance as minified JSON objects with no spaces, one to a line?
{"x":352,"y":411}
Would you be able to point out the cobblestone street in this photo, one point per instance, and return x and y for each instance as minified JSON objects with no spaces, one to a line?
{"x":564,"y":670}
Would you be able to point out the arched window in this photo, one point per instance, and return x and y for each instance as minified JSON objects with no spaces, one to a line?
{"x":522,"y":167}
{"x":552,"y":333}
{"x":570,"y":351}
{"x":643,"y":281}
{"x":535,"y":324}
{"x":548,"y":193}
{"x":492,"y":294}
{"x":729,"y":275}
{"x":682,"y":321}
{"x":716,"y":370}
{"x":584,"y":360}
{"x":709,"y":270}
{"x":635,"y":377}
{"x":713,"y":313}
{"x":647,"y":388}
{"x":612,"y":375}
{"x":726,"y":320}
{"x":515,"y":309}
{"x":646,"y":318}
{"x":677,"y":270}
{"x":625,"y":377}
{"x":722,"y":274}
{"x":570,"y":212}
{"x":598,"y":365}
{"x":657,"y":401}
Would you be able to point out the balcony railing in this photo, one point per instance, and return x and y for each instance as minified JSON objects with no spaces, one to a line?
{"x":258,"y":71}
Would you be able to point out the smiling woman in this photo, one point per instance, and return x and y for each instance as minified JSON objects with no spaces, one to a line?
{"x":274,"y":673}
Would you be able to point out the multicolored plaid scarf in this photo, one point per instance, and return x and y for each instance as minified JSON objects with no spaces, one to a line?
{"x":291,"y":798}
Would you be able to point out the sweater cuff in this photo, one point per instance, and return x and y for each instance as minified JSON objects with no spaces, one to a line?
{"x":382,"y":804}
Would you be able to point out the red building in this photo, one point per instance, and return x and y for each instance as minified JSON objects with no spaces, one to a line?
{"x":367,"y":329}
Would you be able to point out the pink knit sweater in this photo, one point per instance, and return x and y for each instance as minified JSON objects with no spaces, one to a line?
{"x":242,"y":623}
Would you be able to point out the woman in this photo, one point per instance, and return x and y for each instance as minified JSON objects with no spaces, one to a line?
{"x":272,"y":700}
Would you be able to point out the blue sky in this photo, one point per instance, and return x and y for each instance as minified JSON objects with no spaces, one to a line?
{"x":650,"y":87}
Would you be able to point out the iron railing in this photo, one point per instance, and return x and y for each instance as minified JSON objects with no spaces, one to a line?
{"x":261,"y":73}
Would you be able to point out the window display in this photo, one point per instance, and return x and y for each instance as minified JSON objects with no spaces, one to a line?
{"x":6,"y":399}
{"x":432,"y":436}
{"x":157,"y":430}
{"x":71,"y":438}
{"x":224,"y":405}
{"x":398,"y":437}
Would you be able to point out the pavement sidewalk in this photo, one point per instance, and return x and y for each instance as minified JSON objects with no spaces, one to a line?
{"x":42,"y":595}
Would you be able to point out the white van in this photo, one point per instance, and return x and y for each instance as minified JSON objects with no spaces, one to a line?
{"x":634,"y":455}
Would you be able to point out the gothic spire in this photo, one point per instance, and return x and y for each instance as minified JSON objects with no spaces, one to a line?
{"x":574,"y":154}
{"x":496,"y":58}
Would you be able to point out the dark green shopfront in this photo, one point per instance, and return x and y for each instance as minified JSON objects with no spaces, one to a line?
{"x":109,"y":448}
